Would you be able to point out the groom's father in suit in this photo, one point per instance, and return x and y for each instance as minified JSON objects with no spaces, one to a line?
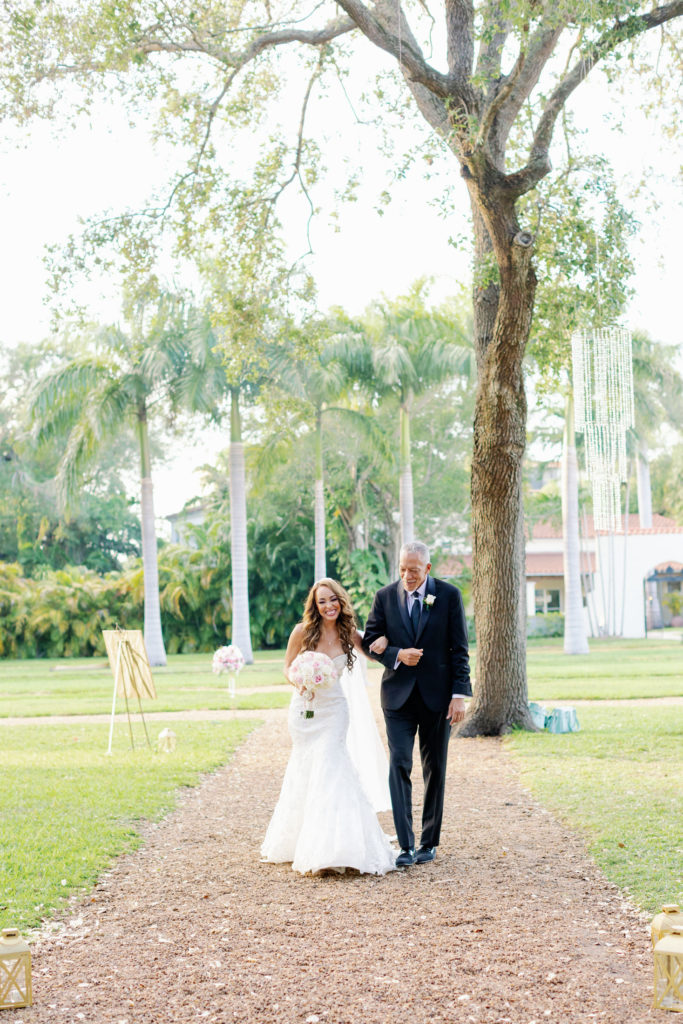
{"x":426,"y":678}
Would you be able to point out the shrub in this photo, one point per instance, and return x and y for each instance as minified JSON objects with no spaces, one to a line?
{"x":550,"y":624}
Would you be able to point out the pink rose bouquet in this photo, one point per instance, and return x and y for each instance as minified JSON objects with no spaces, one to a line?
{"x":228,"y":659}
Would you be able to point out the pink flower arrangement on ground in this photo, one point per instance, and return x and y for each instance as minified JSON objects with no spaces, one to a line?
{"x":228,"y":659}
{"x":311,"y":671}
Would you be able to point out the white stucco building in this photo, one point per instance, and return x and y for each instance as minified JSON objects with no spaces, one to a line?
{"x":625,"y":575}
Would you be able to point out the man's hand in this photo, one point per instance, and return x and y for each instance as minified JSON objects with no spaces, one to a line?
{"x":379,"y":645}
{"x":409,"y":655}
{"x":456,"y":710}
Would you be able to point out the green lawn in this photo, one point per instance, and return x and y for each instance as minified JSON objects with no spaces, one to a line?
{"x":614,"y":669}
{"x":68,"y":809}
{"x":620,"y":782}
{"x":83,"y":686}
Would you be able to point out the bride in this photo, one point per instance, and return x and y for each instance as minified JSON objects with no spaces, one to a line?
{"x":336,"y":777}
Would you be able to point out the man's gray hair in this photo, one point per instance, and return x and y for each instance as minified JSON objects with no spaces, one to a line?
{"x":416,"y":547}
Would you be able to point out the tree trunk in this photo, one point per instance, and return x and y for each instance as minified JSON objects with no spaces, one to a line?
{"x":154,"y":641}
{"x":502,"y":322}
{"x":405,"y":483}
{"x":241,"y":635}
{"x":575,"y":639}
{"x":644,"y":488}
{"x":320,"y":569}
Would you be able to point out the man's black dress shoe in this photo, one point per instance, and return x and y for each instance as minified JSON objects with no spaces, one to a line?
{"x":405,"y":858}
{"x":425,"y":854}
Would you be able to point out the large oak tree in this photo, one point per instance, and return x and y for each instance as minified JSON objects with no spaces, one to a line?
{"x":503,"y":74}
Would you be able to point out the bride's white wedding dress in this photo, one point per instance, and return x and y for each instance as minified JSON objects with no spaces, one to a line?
{"x":324,"y":817}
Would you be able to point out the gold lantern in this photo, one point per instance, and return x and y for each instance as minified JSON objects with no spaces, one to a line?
{"x":669,"y":971}
{"x":15,"y":971}
{"x":664,"y":922}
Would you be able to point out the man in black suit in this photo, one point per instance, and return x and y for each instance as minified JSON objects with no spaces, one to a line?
{"x":426,"y":678}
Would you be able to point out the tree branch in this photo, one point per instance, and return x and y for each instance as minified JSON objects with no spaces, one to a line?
{"x":312,"y":37}
{"x":296,"y":170}
{"x":622,"y":30}
{"x":541,"y":47}
{"x":498,"y":101}
{"x":400,"y":44}
{"x":460,"y":40}
{"x":148,"y":42}
{"x":491,"y":50}
{"x":539,"y":162}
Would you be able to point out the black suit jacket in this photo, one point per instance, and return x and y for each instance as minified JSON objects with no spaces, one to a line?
{"x":444,"y":667}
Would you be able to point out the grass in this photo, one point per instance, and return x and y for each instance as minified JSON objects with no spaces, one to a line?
{"x":618,"y":781}
{"x":67,"y":809}
{"x":614,"y":670}
{"x":83,"y":686}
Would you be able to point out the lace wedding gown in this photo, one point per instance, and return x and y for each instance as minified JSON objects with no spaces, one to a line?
{"x":324,"y":817}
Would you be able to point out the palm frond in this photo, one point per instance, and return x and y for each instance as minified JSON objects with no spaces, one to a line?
{"x":57,"y":400}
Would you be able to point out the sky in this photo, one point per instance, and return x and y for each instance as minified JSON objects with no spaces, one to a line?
{"x":51,"y":178}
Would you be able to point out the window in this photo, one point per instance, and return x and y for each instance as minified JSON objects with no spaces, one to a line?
{"x":547,"y":601}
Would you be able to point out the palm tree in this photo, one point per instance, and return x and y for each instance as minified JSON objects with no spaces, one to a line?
{"x":322,"y":386}
{"x":575,"y":638}
{"x":121,"y":378}
{"x":315,"y":383}
{"x":214,"y":384}
{"x":402,"y":350}
{"x":658,"y":399}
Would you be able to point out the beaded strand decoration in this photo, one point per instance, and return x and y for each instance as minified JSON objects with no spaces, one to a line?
{"x":603,"y":397}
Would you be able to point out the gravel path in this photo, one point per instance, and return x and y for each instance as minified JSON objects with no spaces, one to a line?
{"x":511,"y":923}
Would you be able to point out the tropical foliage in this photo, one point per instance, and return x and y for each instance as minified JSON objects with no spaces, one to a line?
{"x":119,"y":379}
{"x":63,"y":612}
{"x":103,"y":531}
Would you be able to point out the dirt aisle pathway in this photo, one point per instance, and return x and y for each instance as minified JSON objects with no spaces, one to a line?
{"x":510,"y":925}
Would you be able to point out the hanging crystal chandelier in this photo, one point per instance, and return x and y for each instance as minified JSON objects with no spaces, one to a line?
{"x":603,"y":400}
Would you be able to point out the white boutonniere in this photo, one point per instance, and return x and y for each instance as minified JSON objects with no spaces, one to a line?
{"x":430,"y":599}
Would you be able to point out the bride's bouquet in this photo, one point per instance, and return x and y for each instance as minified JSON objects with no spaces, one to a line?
{"x":311,"y":671}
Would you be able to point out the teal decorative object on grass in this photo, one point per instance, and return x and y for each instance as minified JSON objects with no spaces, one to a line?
{"x":537,"y":712}
{"x":557,"y":720}
{"x":562,"y":720}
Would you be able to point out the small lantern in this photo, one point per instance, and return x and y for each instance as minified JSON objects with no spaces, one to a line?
{"x":15,"y":971}
{"x":166,"y":741}
{"x":669,"y":971}
{"x":663,"y":923}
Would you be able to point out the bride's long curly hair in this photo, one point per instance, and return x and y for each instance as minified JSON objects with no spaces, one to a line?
{"x":346,"y":621}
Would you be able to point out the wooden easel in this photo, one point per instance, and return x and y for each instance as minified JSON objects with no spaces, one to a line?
{"x":132,"y":674}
